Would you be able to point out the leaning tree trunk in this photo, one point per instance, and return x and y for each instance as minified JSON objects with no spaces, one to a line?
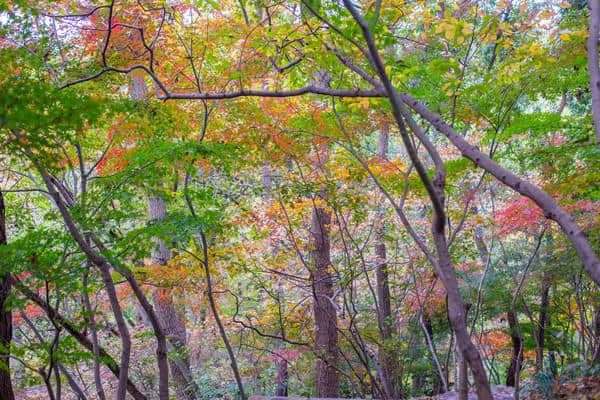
{"x":387,"y":353}
{"x":171,"y":320}
{"x":6,"y":390}
{"x":593,"y":63}
{"x":445,"y":269}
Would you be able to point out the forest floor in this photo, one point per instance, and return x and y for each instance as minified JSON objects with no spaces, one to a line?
{"x":586,"y":388}
{"x":500,"y":392}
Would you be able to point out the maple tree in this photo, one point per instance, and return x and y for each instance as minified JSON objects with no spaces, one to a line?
{"x":318,"y":198}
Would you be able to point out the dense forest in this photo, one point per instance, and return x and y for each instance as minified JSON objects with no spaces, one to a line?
{"x":380,"y":199}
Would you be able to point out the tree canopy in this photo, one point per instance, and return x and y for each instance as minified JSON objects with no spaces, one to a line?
{"x":313,"y":198}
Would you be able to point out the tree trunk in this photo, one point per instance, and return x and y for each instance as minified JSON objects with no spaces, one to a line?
{"x":171,"y":321}
{"x":445,"y":269}
{"x":517,"y":355}
{"x":282,"y":378}
{"x":457,"y":314}
{"x":436,"y":379}
{"x":417,"y":382}
{"x":593,"y":63}
{"x":596,"y":357}
{"x":326,"y":335}
{"x":387,"y":353}
{"x":6,"y":390}
{"x":72,"y":329}
{"x":542,"y":322}
{"x":463,"y":378}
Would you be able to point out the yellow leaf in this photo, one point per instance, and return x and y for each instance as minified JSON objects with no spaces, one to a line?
{"x":460,"y":40}
{"x":535,"y":48}
{"x":565,"y":37}
{"x":449,"y":33}
{"x":565,"y":4}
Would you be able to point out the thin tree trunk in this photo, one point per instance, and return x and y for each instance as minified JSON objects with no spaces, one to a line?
{"x":71,"y":327}
{"x":550,"y":207}
{"x":542,"y":321}
{"x":213,"y":307}
{"x":445,"y":269}
{"x":596,"y":358}
{"x":94,"y":334}
{"x":593,"y":63}
{"x":387,"y":353}
{"x":439,"y":383}
{"x":6,"y":390}
{"x":104,"y":267}
{"x":121,"y":326}
{"x":457,"y":315}
{"x":463,"y":373}
{"x":516,"y":340}
{"x":324,"y":311}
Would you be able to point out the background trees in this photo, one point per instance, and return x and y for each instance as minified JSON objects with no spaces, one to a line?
{"x":351,"y":199}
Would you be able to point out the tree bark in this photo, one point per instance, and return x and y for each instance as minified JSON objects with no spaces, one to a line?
{"x":387,"y":354}
{"x":596,"y":357}
{"x":542,"y":321}
{"x":326,"y":335}
{"x":92,"y":322}
{"x":517,"y":354}
{"x":593,"y":63}
{"x":6,"y":390}
{"x":282,"y":378}
{"x":463,"y":378}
